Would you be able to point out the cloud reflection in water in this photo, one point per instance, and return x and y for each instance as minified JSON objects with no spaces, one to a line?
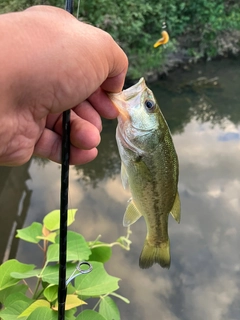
{"x":204,"y":279}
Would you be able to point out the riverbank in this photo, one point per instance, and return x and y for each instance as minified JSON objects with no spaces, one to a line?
{"x":198,"y":29}
{"x":228,"y":47}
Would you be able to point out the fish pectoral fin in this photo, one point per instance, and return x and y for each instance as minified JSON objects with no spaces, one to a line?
{"x":131,"y":214}
{"x":176,"y":209}
{"x":124,"y":176}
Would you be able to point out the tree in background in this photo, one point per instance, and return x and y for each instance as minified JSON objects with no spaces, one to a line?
{"x":198,"y":29}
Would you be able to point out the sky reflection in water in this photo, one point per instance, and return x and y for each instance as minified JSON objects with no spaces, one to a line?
{"x":204,"y":279}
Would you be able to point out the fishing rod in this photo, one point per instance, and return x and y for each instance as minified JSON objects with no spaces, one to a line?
{"x":79,"y":270}
{"x":62,"y":287}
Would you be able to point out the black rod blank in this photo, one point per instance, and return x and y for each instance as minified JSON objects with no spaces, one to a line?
{"x":62,"y":288}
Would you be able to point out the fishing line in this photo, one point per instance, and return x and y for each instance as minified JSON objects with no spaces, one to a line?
{"x":78,"y":8}
{"x":165,"y":36}
{"x":164,"y":24}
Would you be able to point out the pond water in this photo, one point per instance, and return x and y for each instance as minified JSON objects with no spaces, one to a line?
{"x":203,"y":281}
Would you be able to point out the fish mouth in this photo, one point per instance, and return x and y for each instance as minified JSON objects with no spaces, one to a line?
{"x":134,"y":90}
{"x":123,"y":113}
{"x":122,"y":99}
{"x":120,"y":104}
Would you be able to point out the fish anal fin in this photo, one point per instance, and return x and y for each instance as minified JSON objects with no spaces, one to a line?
{"x":176,"y":209}
{"x":155,"y":254}
{"x":131,"y":214}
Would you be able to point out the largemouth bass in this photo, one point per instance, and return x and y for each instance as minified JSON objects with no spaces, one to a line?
{"x":149,"y":168}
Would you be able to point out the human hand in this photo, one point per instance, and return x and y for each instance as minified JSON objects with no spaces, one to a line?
{"x":51,"y":62}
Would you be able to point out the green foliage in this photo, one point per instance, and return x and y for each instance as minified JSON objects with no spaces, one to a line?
{"x":42,"y":304}
{"x":197,"y":28}
{"x":18,"y":5}
{"x":135,"y":25}
{"x":214,"y":24}
{"x":109,"y":309}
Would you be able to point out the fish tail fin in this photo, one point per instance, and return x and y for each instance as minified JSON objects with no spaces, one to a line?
{"x":155,"y":254}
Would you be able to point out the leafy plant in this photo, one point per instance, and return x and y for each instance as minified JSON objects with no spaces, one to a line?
{"x":19,"y":301}
{"x":198,"y":29}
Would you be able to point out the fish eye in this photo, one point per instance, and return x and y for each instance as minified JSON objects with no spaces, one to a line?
{"x":149,"y":104}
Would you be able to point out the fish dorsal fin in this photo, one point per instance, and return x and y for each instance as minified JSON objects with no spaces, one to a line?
{"x":131,"y":214}
{"x":124,"y":176}
{"x":176,"y":209}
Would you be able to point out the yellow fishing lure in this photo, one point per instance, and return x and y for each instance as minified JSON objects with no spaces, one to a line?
{"x":163,"y":40}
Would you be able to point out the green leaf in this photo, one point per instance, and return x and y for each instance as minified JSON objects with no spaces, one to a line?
{"x":96,"y":283}
{"x":50,"y":237}
{"x":14,"y":305}
{"x":51,"y":292}
{"x":51,"y":273}
{"x":51,"y":220}
{"x":43,"y":313}
{"x":70,"y":289}
{"x":27,"y":274}
{"x":15,"y":297}
{"x":5,"y":293}
{"x":109,"y":309}
{"x":90,"y":315}
{"x":69,"y":314}
{"x":77,"y":248}
{"x":36,"y":304}
{"x":7,"y":268}
{"x":30,"y":233}
{"x":53,"y":253}
{"x":72,"y":301}
{"x":101,"y":254}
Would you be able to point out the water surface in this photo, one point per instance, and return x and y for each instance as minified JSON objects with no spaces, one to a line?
{"x":204,"y":279}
